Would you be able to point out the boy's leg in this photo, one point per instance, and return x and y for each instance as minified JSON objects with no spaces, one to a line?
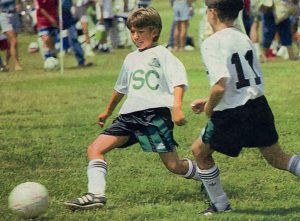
{"x":210,"y":177}
{"x":276,"y":157}
{"x":184,"y":167}
{"x":96,"y":172}
{"x":72,"y":37}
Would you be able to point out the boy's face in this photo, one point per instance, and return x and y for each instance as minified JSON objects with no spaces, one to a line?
{"x":142,"y":37}
{"x":210,"y":16}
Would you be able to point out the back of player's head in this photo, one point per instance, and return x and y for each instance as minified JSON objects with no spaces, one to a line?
{"x":145,"y":18}
{"x":226,"y":9}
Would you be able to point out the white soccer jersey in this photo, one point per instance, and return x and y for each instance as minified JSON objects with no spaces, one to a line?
{"x":148,"y":79}
{"x":230,"y":54}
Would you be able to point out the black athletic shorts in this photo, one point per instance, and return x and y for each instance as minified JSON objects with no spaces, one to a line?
{"x":250,"y":125}
{"x":152,"y":128}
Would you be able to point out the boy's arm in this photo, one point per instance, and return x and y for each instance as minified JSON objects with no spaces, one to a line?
{"x":178,"y":115}
{"x":114,"y":100}
{"x":216,"y":94}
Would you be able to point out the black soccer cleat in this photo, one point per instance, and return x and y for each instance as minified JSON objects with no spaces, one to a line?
{"x":88,"y":201}
{"x":212,"y":210}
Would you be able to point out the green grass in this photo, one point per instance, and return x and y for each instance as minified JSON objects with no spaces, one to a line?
{"x":47,"y":120}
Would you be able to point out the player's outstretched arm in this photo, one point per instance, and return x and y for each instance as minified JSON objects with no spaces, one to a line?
{"x":114,"y":100}
{"x":178,"y":115}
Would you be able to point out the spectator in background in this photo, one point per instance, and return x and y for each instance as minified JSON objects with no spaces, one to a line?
{"x":276,"y":19}
{"x":189,"y":41}
{"x":4,"y":46}
{"x":81,"y":7}
{"x":144,"y":3}
{"x":252,"y":15}
{"x":106,"y":18}
{"x":47,"y":25}
{"x":11,"y":26}
{"x":69,"y":24}
{"x":183,"y":11}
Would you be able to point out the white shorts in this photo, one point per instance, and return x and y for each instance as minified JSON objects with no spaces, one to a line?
{"x":9,"y":22}
{"x":80,"y":13}
{"x":181,"y":11}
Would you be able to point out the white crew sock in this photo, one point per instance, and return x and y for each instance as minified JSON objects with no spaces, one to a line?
{"x":96,"y":173}
{"x":294,"y":165}
{"x":192,"y":173}
{"x":212,"y":183}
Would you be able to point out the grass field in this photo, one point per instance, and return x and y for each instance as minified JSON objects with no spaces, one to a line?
{"x":48,"y":119}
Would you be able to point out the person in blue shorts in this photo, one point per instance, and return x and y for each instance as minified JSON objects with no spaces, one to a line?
{"x":284,"y":29}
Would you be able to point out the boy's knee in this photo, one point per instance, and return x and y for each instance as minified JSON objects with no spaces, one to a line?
{"x":93,"y":151}
{"x":198,"y":148}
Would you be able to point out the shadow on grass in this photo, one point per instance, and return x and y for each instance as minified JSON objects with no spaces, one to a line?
{"x":275,"y":211}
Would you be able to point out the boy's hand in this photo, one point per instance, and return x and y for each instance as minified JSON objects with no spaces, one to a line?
{"x":178,"y":117}
{"x":198,"y":106}
{"x":102,"y":118}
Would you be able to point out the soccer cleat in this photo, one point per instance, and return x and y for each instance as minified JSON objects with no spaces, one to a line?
{"x":88,"y":201}
{"x":212,"y":209}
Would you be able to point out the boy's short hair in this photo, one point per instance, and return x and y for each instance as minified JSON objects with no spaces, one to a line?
{"x":226,"y":9}
{"x":145,"y":18}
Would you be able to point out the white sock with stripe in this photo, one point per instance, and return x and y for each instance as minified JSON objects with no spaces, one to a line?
{"x":96,"y":173}
{"x":294,"y":165}
{"x":193,"y":171}
{"x":212,"y":183}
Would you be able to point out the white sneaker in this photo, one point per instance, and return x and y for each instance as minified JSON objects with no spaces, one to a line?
{"x":189,"y":48}
{"x":283,"y":53}
{"x":88,"y":51}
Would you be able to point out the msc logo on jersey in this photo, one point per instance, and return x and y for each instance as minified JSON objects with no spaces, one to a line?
{"x":141,"y":78}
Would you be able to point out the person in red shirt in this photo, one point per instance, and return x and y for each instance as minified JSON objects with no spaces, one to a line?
{"x":47,"y":25}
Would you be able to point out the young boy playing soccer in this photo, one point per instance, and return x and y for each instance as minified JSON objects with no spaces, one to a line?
{"x":154,"y":81}
{"x":239,"y":114}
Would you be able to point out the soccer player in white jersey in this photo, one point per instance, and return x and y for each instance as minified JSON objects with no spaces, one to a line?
{"x":238,"y":112}
{"x":154,"y":81}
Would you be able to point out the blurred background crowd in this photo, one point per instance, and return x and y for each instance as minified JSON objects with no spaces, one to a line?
{"x":86,"y":27}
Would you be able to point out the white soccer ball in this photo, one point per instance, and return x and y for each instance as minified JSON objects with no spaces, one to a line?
{"x":50,"y":64}
{"x":33,"y":47}
{"x":28,"y":200}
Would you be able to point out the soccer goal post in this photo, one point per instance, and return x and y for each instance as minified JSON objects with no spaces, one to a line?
{"x":61,"y":49}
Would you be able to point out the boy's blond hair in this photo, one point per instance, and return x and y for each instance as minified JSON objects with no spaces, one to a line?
{"x":145,"y":18}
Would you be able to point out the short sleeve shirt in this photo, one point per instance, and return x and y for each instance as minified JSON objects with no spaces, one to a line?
{"x":51,"y":6}
{"x":148,"y":79}
{"x":230,"y":54}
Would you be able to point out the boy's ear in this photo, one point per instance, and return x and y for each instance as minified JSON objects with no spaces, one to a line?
{"x":154,"y":32}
